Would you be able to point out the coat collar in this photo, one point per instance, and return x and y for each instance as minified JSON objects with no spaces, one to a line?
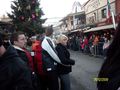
{"x":18,"y":48}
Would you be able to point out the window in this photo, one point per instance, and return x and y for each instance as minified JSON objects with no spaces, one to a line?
{"x":104,"y":13}
{"x":71,"y":22}
{"x":94,"y":16}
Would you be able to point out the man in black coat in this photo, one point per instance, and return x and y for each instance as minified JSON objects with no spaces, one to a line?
{"x":14,"y":74}
{"x":49,"y":59}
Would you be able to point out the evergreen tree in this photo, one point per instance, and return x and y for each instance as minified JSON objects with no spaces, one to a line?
{"x":26,"y":16}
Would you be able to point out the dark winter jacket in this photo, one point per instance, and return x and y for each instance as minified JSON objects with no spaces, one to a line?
{"x":22,"y":55}
{"x":14,"y":74}
{"x":26,"y":57}
{"x":49,"y":63}
{"x":64,"y":56}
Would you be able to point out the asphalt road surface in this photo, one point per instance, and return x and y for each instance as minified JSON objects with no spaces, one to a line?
{"x":84,"y":71}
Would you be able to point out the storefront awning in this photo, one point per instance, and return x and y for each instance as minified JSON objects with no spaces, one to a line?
{"x":75,"y":30}
{"x":100,"y":28}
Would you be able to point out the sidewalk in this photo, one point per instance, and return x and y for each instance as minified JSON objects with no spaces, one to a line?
{"x":84,"y":71}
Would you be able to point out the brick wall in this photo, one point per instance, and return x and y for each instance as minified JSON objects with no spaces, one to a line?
{"x":117,"y":6}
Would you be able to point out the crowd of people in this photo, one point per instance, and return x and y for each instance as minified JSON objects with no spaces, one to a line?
{"x":39,"y":63}
{"x":94,"y":43}
{"x":107,"y":45}
{"x":35,"y":63}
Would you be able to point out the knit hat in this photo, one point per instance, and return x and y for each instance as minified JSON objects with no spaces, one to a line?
{"x":1,"y":39}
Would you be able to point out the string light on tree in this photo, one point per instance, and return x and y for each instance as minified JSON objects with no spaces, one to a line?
{"x":37,"y":11}
{"x":22,"y":18}
{"x":29,"y":19}
{"x":28,"y":7}
{"x":33,"y":16}
{"x":33,"y":2}
{"x":19,"y":8}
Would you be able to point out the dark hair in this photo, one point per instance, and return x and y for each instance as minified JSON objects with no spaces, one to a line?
{"x":49,"y":31}
{"x":1,"y":39}
{"x":29,"y":42}
{"x":4,"y":39}
{"x":38,"y":37}
{"x":14,"y":36}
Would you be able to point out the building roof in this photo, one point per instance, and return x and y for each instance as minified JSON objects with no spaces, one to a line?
{"x":71,"y":14}
{"x":85,"y":3}
{"x":100,"y":28}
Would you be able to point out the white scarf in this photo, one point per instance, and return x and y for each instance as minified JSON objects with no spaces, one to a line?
{"x":46,"y":46}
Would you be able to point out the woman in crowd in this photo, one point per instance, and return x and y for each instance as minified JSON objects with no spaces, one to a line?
{"x":64,"y":55}
{"x":105,"y":46}
{"x":37,"y":49}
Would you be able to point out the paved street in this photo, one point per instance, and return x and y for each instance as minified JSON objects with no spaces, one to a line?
{"x":84,"y":71}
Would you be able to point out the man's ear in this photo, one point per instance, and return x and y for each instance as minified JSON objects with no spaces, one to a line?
{"x":14,"y":42}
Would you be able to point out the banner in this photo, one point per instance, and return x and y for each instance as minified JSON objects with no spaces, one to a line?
{"x":108,"y":9}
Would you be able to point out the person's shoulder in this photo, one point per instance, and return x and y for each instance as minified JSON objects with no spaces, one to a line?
{"x":18,"y":63}
{"x":59,"y":44}
{"x":60,"y":47}
{"x":15,"y":67}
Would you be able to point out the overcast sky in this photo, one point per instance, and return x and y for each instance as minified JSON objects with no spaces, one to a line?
{"x":56,"y":9}
{"x":51,"y":8}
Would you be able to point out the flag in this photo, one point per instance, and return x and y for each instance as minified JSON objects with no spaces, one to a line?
{"x":108,"y":9}
{"x":110,"y":13}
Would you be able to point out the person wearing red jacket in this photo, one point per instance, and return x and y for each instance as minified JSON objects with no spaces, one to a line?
{"x":37,"y":49}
